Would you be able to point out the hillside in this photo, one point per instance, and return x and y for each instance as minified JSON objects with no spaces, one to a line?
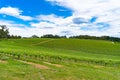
{"x":76,"y":48}
{"x":81,"y":58}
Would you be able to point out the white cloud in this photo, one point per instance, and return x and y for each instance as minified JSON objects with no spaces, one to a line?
{"x":10,"y":11}
{"x":14,"y":12}
{"x":106,"y":11}
{"x":26,"y":18}
{"x":41,"y":29}
{"x":51,"y":18}
{"x":42,"y":25}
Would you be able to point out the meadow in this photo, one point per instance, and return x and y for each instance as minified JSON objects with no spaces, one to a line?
{"x":61,"y":59}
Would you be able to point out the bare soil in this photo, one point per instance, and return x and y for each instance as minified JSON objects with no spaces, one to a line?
{"x":1,"y":61}
{"x":35,"y":64}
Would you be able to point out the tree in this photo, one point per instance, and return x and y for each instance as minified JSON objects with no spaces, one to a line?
{"x":4,"y":33}
{"x":50,"y":36}
{"x":35,"y":36}
{"x":14,"y":37}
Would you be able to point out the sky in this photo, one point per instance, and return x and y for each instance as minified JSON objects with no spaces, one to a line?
{"x":61,"y":17}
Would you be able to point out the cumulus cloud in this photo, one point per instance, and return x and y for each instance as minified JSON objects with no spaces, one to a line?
{"x":50,"y":18}
{"x":14,"y":12}
{"x":43,"y":25}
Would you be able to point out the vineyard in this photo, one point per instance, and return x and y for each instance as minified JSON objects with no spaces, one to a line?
{"x":79,"y":58}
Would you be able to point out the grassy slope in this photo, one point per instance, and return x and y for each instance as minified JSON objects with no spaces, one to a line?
{"x":89,"y":49}
{"x":92,"y":49}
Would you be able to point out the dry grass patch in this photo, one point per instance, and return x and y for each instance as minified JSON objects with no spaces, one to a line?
{"x":98,"y":66}
{"x":35,"y":64}
{"x":1,"y":61}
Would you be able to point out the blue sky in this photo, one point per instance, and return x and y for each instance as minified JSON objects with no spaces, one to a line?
{"x":33,"y":8}
{"x":61,"y":17}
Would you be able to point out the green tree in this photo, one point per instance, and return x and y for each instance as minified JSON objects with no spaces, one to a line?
{"x":4,"y":33}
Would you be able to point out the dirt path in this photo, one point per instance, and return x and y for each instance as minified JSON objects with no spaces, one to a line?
{"x":35,"y":64}
{"x":56,"y":65}
{"x":43,"y":42}
{"x":1,"y":61}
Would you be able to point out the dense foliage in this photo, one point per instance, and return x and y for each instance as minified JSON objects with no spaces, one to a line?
{"x":52,"y":36}
{"x":96,"y":38}
{"x":4,"y":33}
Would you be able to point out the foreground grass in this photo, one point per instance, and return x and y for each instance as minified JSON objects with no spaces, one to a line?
{"x":16,"y":70}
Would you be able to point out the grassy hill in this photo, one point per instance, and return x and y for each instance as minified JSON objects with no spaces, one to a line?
{"x":80,"y":59}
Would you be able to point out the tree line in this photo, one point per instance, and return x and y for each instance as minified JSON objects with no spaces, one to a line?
{"x":4,"y":33}
{"x":47,"y":36}
{"x":80,"y":37}
{"x":115,"y":39}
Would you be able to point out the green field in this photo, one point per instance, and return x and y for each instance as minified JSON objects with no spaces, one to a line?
{"x":65,"y":59}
